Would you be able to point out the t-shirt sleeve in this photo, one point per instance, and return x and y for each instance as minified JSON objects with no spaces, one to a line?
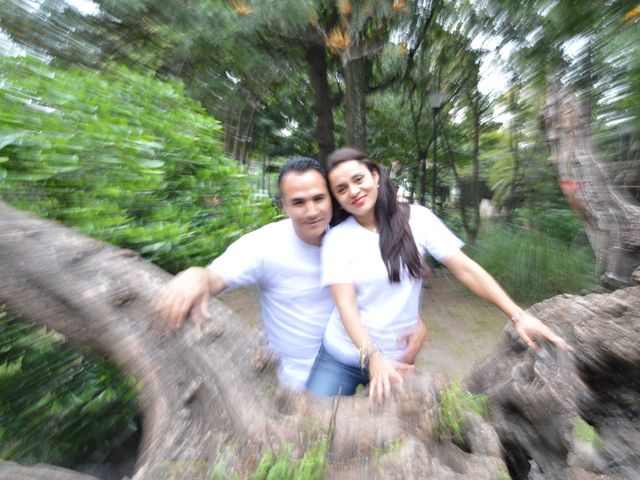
{"x":433,"y":235}
{"x":336,"y":264}
{"x":241,"y":263}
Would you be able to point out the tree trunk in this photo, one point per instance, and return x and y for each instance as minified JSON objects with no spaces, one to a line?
{"x":238,"y":135}
{"x":245,"y":144}
{"x":565,"y":415}
{"x":203,"y":389}
{"x":355,"y":84}
{"x":514,"y":149}
{"x":323,"y":106}
{"x":418,"y":170}
{"x":228,"y":137}
{"x":462,"y":206}
{"x":473,"y":227}
{"x":102,"y":297}
{"x":611,"y":217}
{"x":208,"y":402}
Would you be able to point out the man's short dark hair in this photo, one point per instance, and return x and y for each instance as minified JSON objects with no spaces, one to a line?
{"x":301,"y":165}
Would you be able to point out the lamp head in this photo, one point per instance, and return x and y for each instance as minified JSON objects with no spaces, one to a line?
{"x":435,"y":100}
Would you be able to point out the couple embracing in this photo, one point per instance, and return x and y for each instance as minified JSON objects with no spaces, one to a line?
{"x":340,"y":304}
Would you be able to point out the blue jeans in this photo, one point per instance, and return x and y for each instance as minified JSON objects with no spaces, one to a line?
{"x":330,"y":377}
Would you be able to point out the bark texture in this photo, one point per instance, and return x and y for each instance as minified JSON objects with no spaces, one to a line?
{"x":204,"y":389}
{"x":208,"y":400}
{"x":543,"y":401}
{"x":611,"y":217}
{"x":355,"y":85}
{"x":323,"y":105}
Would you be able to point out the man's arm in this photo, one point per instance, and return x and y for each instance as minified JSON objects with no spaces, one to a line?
{"x":188,"y":294}
{"x":478,"y":280}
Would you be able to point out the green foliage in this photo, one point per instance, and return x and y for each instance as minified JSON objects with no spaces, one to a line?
{"x":392,"y":448}
{"x":503,"y":474}
{"x":313,"y":464}
{"x":558,"y":223}
{"x":57,"y":403}
{"x":282,"y":466}
{"x":454,"y":404}
{"x":124,"y":158}
{"x":530,"y":266}
{"x":128,"y":159}
{"x":584,"y":432}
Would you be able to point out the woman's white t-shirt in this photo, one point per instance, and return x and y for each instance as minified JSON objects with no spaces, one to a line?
{"x":351,"y":254}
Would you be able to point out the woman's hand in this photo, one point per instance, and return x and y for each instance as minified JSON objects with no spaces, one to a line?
{"x":530,"y":328}
{"x":382,"y":373}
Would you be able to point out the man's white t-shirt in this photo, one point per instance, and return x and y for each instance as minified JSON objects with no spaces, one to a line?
{"x":294,"y":306}
{"x":351,"y":254}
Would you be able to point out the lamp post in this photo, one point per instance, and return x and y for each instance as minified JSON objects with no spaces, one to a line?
{"x":435,"y":100}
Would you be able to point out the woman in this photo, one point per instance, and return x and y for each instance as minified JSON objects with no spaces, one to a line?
{"x":373,"y":262}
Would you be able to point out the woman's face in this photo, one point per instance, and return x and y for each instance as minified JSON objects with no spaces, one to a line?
{"x":355,"y":187}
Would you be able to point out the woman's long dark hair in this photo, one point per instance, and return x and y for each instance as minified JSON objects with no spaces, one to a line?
{"x":397,"y":245}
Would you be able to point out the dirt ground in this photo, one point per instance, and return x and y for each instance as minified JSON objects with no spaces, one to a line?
{"x":462,"y":328}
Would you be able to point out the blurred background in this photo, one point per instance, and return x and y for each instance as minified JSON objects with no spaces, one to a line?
{"x":160,"y":126}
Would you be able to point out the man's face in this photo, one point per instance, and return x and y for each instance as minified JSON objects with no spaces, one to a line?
{"x":306,"y":201}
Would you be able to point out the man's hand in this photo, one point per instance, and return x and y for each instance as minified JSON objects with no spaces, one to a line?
{"x":187,"y":293}
{"x":414,"y":342}
{"x":529,"y":328}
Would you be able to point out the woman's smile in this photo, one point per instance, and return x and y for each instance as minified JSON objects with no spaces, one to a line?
{"x":355,"y":188}
{"x":359,"y":201}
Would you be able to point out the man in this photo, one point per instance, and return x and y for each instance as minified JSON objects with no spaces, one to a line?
{"x":282,"y":260}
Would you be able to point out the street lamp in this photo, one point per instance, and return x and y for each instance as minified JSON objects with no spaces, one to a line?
{"x":435,"y":100}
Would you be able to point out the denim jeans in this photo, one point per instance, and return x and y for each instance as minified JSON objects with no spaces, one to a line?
{"x":330,"y":377}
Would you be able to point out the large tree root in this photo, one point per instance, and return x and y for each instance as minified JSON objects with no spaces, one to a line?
{"x":205,"y":401}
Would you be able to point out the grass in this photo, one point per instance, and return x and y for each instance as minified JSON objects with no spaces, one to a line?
{"x":503,"y":474}
{"x":281,"y":466}
{"x":532,"y":267}
{"x":584,"y":432}
{"x":455,"y":402}
{"x":393,"y":447}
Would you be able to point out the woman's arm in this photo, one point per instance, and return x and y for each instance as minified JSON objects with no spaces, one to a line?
{"x":382,"y":371}
{"x":478,"y":280}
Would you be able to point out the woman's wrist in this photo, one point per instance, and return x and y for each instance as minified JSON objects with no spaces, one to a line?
{"x":367,"y":352}
{"x":517,"y":317}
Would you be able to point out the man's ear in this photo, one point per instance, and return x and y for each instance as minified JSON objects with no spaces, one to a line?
{"x":278,"y":202}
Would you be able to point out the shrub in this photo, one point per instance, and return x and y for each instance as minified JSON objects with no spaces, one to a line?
{"x":127,"y":159}
{"x":532,"y":267}
{"x":59,"y":404}
{"x":124,"y":158}
{"x":559,"y":223}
